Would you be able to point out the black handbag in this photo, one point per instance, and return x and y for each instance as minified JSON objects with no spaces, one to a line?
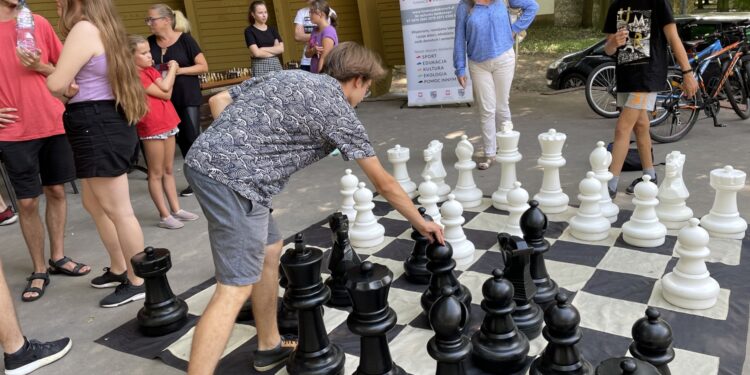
{"x":632,"y":159}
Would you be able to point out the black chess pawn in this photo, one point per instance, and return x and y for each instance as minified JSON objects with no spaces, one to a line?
{"x":625,"y":366}
{"x":162,"y":311}
{"x":561,"y":356}
{"x":415,"y":266}
{"x":371,"y":318}
{"x":342,"y":258}
{"x":306,"y":293}
{"x":449,"y":347}
{"x":652,"y":341}
{"x":441,"y":266}
{"x":534,"y":225}
{"x":528,"y":315}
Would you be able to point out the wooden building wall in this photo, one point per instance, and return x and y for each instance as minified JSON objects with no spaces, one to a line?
{"x":389,"y":17}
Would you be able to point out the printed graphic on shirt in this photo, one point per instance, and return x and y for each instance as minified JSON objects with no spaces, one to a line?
{"x":637,"y":48}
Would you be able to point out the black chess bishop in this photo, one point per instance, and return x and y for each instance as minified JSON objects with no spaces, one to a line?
{"x":162,"y":311}
{"x":516,"y":255}
{"x":415,"y":266}
{"x":652,"y":341}
{"x":449,"y":347}
{"x":343,"y":257}
{"x":534,"y":225}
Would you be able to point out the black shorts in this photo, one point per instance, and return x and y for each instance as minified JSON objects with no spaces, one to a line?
{"x":36,"y":163}
{"x":104,"y":144}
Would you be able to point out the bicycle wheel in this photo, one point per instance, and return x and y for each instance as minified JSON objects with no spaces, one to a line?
{"x":682,"y":113}
{"x":660,"y":112}
{"x":601,"y":91}
{"x":736,"y":90}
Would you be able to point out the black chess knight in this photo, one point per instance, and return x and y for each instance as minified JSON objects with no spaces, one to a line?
{"x":534,"y":225}
{"x":342,"y":258}
{"x":162,"y":311}
{"x":516,"y":253}
{"x":415,"y":266}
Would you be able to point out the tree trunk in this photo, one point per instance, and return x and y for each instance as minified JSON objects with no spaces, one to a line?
{"x":588,"y":14}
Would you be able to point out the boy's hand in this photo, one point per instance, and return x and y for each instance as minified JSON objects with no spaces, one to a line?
{"x":621,"y":37}
{"x":433,"y":231}
{"x":689,"y":85}
{"x":29,"y":60}
{"x":7,"y":117}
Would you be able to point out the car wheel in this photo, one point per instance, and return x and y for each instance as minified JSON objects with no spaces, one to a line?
{"x":573,"y":80}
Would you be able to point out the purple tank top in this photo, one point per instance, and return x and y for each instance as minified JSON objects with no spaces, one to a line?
{"x":93,"y":81}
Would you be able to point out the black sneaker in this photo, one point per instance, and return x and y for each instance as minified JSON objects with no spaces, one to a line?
{"x":268,"y":359}
{"x":35,"y":354}
{"x":612,"y":193}
{"x":109,"y":279}
{"x":188,"y":192}
{"x":631,"y":189}
{"x":123,"y":294}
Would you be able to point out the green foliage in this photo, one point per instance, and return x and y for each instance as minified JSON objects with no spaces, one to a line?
{"x":547,"y":39}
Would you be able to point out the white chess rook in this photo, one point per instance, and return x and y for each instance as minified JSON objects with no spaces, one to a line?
{"x":589,"y":224}
{"x":551,"y":198}
{"x":366,"y":231}
{"x":348,"y":186}
{"x":518,"y":199}
{"x":724,"y":219}
{"x":399,"y":156}
{"x":672,"y":210}
{"x":600,"y":160}
{"x":507,"y":156}
{"x":433,"y":157}
{"x":466,"y":191}
{"x":690,"y":285}
{"x":644,"y":229}
{"x":428,"y":198}
{"x":452,"y":219}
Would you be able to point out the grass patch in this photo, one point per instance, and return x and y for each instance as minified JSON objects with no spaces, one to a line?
{"x":558,"y":40}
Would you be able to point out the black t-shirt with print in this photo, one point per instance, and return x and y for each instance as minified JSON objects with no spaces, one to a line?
{"x":643,"y":61}
{"x":187,"y":88}
{"x":261,"y":38}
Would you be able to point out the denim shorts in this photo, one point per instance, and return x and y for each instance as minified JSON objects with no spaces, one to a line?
{"x":237,"y":229}
{"x":637,"y":100}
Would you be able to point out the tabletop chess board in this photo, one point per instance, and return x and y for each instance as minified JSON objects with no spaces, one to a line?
{"x":611,"y":284}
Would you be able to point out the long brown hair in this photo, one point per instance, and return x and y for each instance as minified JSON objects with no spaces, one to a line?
{"x":323,"y":7}
{"x":121,"y":70}
{"x":255,"y":4}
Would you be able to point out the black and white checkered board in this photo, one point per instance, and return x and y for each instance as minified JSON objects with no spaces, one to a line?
{"x":612,"y":284}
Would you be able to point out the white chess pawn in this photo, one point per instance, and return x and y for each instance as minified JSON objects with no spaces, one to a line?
{"x":644,"y":229}
{"x":433,"y":156}
{"x":589,"y":224}
{"x":366,"y":231}
{"x":399,"y":156}
{"x":551,"y":198}
{"x":466,"y":191}
{"x":428,"y":198}
{"x":690,"y":285}
{"x":463,"y":249}
{"x":507,"y":156}
{"x":672,"y":210}
{"x":348,"y":186}
{"x":518,"y":199}
{"x":724,"y":221}
{"x":600,"y":159}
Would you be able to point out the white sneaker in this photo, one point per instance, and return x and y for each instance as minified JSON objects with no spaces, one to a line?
{"x":170,"y":222}
{"x":183,"y":215}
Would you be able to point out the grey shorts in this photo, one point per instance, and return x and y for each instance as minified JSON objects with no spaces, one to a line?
{"x":237,"y":229}
{"x":637,"y":100}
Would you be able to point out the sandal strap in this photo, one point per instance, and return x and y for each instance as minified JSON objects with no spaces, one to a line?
{"x":38,"y":276}
{"x":60,"y":262}
{"x":33,"y":289}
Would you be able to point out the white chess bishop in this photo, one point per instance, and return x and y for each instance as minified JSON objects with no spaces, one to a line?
{"x":644,"y":229}
{"x":366,"y":231}
{"x":433,"y":156}
{"x":724,"y":221}
{"x":518,"y":199}
{"x":399,"y":156}
{"x":507,"y":156}
{"x":551,"y":198}
{"x":466,"y":191}
{"x":428,"y":198}
{"x":589,"y":224}
{"x":690,"y":285}
{"x":600,"y":160}
{"x":672,"y":210}
{"x":453,"y":220}
{"x":348,"y":186}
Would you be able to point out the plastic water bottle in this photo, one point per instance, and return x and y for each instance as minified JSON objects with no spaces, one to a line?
{"x":25,"y":29}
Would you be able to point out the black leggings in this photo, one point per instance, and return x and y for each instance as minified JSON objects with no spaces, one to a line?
{"x":189,"y":127}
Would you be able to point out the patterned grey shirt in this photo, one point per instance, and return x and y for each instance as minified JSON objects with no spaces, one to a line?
{"x":277,"y":125}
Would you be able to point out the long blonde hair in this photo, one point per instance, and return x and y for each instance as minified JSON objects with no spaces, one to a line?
{"x":121,"y":70}
{"x":179,"y":21}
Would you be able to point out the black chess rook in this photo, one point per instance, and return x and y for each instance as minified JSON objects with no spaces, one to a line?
{"x":162,"y":311}
{"x":652,"y":341}
{"x":342,"y":258}
{"x":534,"y":226}
{"x":625,"y":366}
{"x":441,"y":266}
{"x":527,"y":314}
{"x":415,"y":266}
{"x":449,"y":347}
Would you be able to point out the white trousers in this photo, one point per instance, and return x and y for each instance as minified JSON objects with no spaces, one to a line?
{"x":492,"y":80}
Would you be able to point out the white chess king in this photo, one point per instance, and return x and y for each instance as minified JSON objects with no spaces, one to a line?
{"x":600,"y":159}
{"x":466,"y":191}
{"x":433,"y":157}
{"x":452,"y":219}
{"x":366,"y":231}
{"x":507,"y":156}
{"x":644,"y":229}
{"x":551,"y":198}
{"x":348,"y":186}
{"x":589,"y":224}
{"x":399,"y":156}
{"x":724,"y":221}
{"x":672,"y":210}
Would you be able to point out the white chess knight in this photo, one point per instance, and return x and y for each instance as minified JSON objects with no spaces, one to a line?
{"x":428,"y":198}
{"x":452,"y":219}
{"x":518,"y":199}
{"x":672,"y":210}
{"x":433,"y":156}
{"x":348,"y":186}
{"x":589,"y":224}
{"x":507,"y":156}
{"x":600,"y":160}
{"x":644,"y":229}
{"x":399,"y":156}
{"x":366,"y":231}
{"x":690,"y":285}
{"x":724,"y":221}
{"x":466,"y":191}
{"x":551,"y":198}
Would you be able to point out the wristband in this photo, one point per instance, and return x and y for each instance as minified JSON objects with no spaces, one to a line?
{"x":687,"y":71}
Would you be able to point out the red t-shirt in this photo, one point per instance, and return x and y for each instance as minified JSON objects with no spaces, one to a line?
{"x":161,"y":116}
{"x":40,"y":113}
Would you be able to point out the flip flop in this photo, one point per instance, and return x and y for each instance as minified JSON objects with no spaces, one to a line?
{"x":32,"y":289}
{"x":56,"y":268}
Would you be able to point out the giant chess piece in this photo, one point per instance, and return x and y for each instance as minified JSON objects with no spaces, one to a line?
{"x":516,"y":254}
{"x":441,"y":265}
{"x":551,"y":198}
{"x":342,"y":258}
{"x":371,"y":318}
{"x":348,"y":186}
{"x":452,"y":213}
{"x":589,"y":224}
{"x":561,"y":356}
{"x":162,"y":312}
{"x":689,"y":285}
{"x":366,"y":231}
{"x":600,"y":160}
{"x":625,"y":366}
{"x":428,"y":198}
{"x":399,"y":156}
{"x":724,"y":221}
{"x":466,"y":190}
{"x":644,"y":229}
{"x":517,"y":205}
{"x":449,"y":347}
{"x":286,"y":317}
{"x":415,"y":266}
{"x":534,"y":225}
{"x":507,"y":156}
{"x":652,"y":341}
{"x":499,"y":345}
{"x":306,"y":293}
{"x":433,"y":157}
{"x":672,"y":210}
